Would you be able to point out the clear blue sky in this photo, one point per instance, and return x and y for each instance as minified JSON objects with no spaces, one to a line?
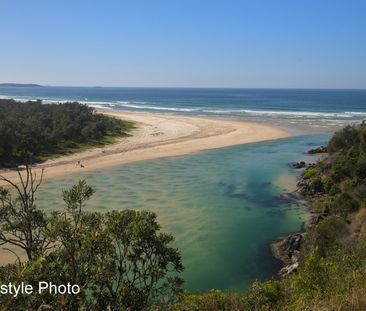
{"x":188,"y":43}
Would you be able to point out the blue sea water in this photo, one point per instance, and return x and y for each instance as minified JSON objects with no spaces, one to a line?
{"x":223,"y":206}
{"x":317,"y":109}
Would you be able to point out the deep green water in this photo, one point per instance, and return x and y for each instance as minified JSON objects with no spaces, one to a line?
{"x":223,"y":206}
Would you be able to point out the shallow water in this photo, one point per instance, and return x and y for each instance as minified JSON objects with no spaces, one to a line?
{"x":222,"y":206}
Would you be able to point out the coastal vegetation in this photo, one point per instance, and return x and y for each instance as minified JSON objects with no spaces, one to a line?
{"x":32,"y":131}
{"x":123,"y":261}
{"x":120,"y":260}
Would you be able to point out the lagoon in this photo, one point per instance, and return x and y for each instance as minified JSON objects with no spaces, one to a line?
{"x":224,"y":207}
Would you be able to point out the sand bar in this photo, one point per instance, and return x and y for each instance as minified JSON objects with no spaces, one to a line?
{"x":157,"y":136}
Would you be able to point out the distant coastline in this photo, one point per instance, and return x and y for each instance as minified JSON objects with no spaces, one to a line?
{"x":20,"y":85}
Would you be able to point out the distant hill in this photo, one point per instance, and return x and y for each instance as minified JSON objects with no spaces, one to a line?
{"x":20,"y":85}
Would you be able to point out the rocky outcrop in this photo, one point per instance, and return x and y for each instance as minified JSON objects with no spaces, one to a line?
{"x":314,"y":219}
{"x":321,"y":149}
{"x":303,"y":187}
{"x":302,"y":164}
{"x":298,"y":165}
{"x":287,"y":250}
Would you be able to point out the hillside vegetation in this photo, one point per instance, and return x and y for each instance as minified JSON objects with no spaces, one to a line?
{"x":32,"y":131}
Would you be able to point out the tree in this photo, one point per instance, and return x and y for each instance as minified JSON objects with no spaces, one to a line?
{"x":21,"y":223}
{"x":142,"y":260}
{"x":120,"y":260}
{"x":33,"y":130}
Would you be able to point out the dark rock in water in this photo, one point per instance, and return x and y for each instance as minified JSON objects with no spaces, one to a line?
{"x":289,"y":197}
{"x":298,"y":165}
{"x":288,"y":251}
{"x":321,"y":149}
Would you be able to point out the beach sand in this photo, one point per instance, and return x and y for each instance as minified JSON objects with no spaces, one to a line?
{"x":157,"y":136}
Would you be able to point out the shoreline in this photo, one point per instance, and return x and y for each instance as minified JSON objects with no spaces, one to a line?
{"x":157,"y":136}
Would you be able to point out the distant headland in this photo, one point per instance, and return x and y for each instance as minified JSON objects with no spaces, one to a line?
{"x":20,"y":85}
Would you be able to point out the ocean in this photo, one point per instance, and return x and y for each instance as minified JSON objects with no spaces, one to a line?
{"x":308,"y":110}
{"x":223,"y":206}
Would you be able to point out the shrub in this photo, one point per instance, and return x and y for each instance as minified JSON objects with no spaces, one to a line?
{"x":344,"y":139}
{"x":325,"y":235}
{"x":344,"y":203}
{"x":316,"y":185}
{"x":310,"y":173}
{"x":264,"y":296}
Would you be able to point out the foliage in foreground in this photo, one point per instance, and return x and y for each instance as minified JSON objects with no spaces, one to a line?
{"x":32,"y":130}
{"x":335,"y":283}
{"x":121,"y":260}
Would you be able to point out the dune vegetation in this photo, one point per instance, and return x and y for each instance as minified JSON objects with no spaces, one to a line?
{"x":32,"y":131}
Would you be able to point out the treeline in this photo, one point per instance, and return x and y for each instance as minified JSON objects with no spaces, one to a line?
{"x":33,"y":131}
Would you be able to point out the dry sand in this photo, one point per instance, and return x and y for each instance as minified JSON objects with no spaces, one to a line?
{"x":157,"y":136}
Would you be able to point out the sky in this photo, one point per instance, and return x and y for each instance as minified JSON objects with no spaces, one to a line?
{"x":186,"y":43}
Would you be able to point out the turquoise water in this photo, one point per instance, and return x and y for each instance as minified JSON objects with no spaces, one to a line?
{"x":223,"y":206}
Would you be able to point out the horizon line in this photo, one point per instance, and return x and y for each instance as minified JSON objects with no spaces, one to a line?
{"x":33,"y":84}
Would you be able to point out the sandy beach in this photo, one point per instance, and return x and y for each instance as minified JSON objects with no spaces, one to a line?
{"x":157,"y":136}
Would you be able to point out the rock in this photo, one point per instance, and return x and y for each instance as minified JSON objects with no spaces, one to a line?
{"x":288,"y":251}
{"x":314,"y":219}
{"x":289,"y":197}
{"x":298,"y":165}
{"x":285,"y":248}
{"x":321,"y":149}
{"x":303,"y":187}
{"x":287,"y":270}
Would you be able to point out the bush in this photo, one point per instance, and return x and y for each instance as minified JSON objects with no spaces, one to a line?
{"x":345,"y":204}
{"x":264,"y":296}
{"x":310,"y":173}
{"x":325,"y":235}
{"x":316,"y":185}
{"x":344,"y":139}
